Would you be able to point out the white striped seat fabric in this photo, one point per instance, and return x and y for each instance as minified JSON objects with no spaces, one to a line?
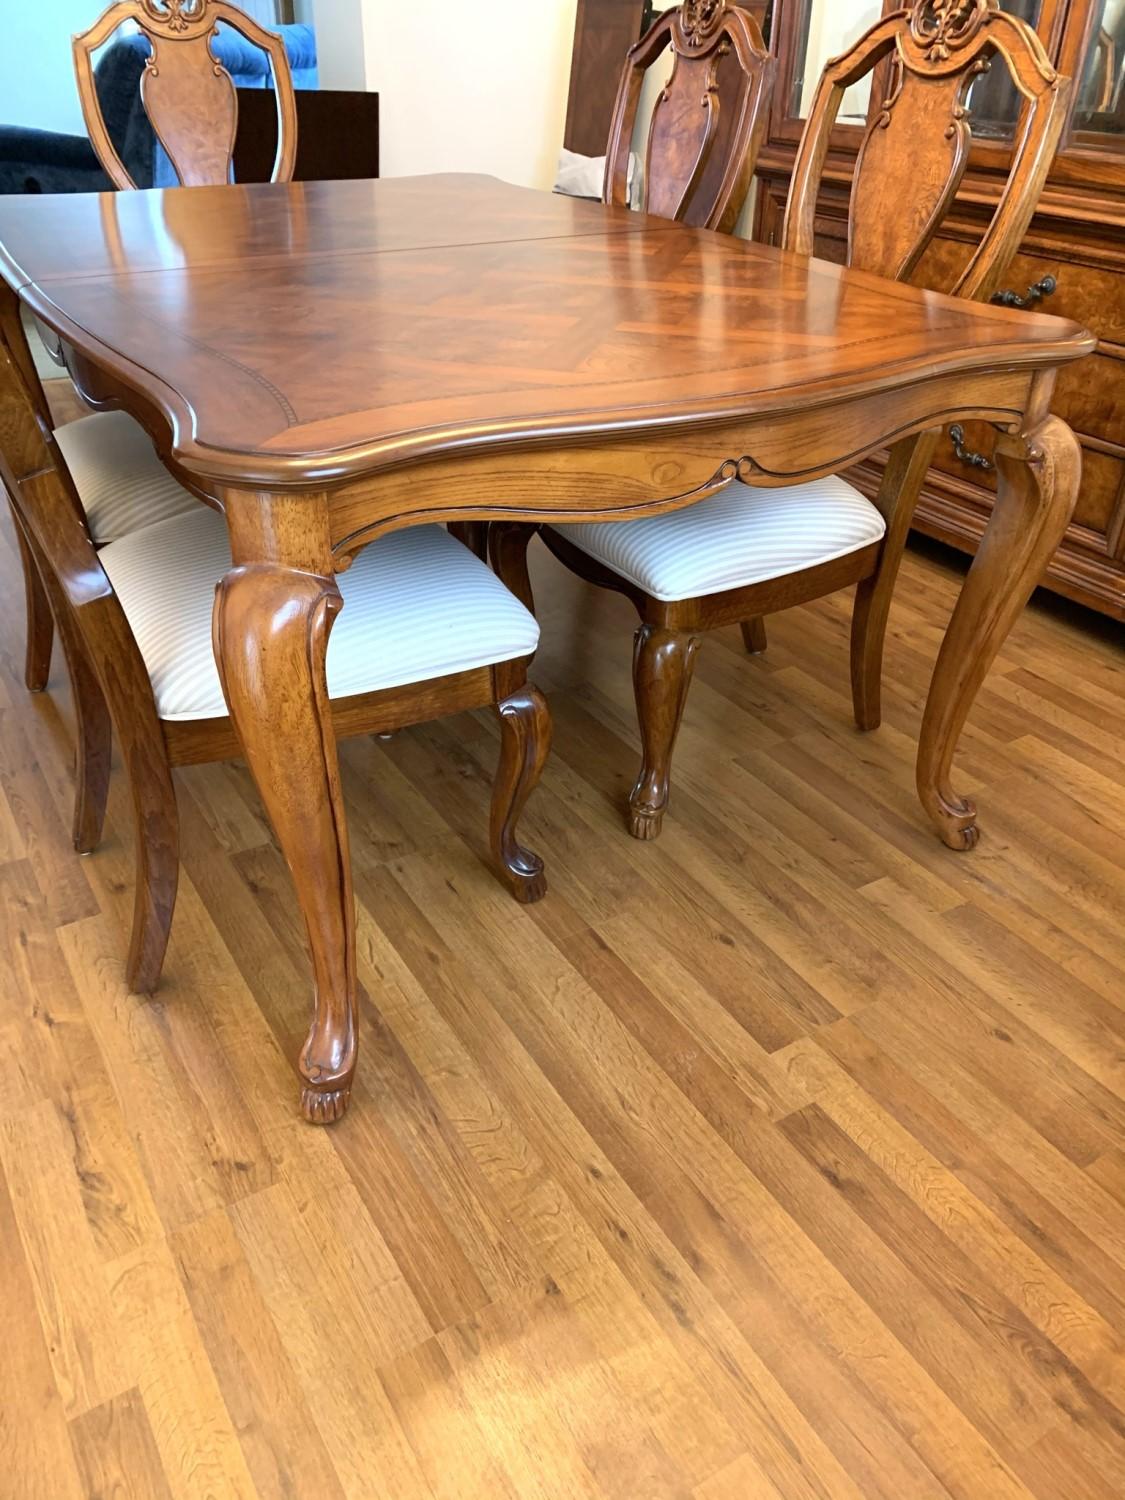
{"x":119,"y":478}
{"x":740,"y":536}
{"x":417,"y":605}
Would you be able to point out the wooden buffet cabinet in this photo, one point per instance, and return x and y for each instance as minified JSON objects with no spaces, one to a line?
{"x":1072,"y":261}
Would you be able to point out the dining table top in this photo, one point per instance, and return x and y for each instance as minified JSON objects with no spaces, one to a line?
{"x":304,"y":334}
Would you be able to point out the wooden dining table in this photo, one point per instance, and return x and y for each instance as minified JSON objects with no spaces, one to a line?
{"x":325,"y":362}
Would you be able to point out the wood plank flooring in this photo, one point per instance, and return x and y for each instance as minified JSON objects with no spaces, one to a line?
{"x":782,"y":1159}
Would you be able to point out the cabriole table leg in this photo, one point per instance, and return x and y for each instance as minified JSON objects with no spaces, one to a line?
{"x":1038,"y":471}
{"x":272,"y":621}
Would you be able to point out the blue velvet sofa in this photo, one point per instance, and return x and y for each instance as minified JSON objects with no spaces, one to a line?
{"x":46,"y":161}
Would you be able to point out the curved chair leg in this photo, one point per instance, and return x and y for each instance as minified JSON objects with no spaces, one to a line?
{"x":93,"y":753}
{"x":508,"y":542}
{"x":93,"y":748}
{"x":94,"y":628}
{"x":869,"y":632}
{"x":903,"y":477}
{"x":40,"y":622}
{"x":157,"y":839}
{"x":525,"y":740}
{"x":754,"y":635}
{"x":662,"y":665}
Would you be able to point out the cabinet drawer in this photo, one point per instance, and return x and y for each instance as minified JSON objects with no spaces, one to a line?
{"x":1091,"y":295}
{"x":1100,"y":498}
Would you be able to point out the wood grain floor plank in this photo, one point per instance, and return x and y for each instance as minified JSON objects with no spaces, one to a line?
{"x":35,"y":1452}
{"x":194,"y":1435}
{"x":83,"y":1334}
{"x":336,"y":1314}
{"x":781,"y":1159}
{"x":116,"y":1453}
{"x":283,"y":1449}
{"x":615,"y":1089}
{"x":1047,"y":1298}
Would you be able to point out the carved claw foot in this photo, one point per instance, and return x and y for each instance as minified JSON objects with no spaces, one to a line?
{"x":645,"y":822}
{"x":662,"y":663}
{"x":324,"y":1106}
{"x":956,"y":823}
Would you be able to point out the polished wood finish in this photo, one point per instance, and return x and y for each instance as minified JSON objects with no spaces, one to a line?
{"x":242,"y":400}
{"x":707,"y":122}
{"x":908,"y":170}
{"x":272,"y":617}
{"x":1074,"y":242}
{"x":1040,"y":469}
{"x":570,"y":369}
{"x":663,"y":659}
{"x":780,"y":1158}
{"x":903,"y":476}
{"x":39,"y":628}
{"x":189,"y":98}
{"x":525,"y":740}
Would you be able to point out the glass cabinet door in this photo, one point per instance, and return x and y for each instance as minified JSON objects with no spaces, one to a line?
{"x":994,"y":99}
{"x":825,"y":28}
{"x":1099,"y":108}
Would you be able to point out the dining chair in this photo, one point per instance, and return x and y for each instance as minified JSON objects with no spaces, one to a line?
{"x":427,"y":630}
{"x":189,"y":97}
{"x":703,"y":135}
{"x":707,"y":122}
{"x":192,"y":105}
{"x":748,"y":551}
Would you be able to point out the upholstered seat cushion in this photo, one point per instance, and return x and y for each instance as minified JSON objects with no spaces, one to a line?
{"x":119,"y":478}
{"x":740,"y":536}
{"x":417,"y":605}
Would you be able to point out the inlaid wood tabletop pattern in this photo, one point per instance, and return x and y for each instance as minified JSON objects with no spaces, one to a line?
{"x":783,"y":1159}
{"x":436,"y":313}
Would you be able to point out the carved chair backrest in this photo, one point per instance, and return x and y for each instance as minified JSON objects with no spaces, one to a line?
{"x":190,"y":98}
{"x":708,"y":120}
{"x":917,"y":144}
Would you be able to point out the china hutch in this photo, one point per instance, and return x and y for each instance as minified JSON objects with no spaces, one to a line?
{"x":1072,"y":261}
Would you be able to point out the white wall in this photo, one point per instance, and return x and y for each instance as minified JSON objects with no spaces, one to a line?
{"x":339,"y":26}
{"x":464,"y":87}
{"x":36,"y":70}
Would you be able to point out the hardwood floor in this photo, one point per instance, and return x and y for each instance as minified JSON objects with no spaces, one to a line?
{"x":782,"y":1159}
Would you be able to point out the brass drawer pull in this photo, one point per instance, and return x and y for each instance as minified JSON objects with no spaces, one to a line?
{"x":1045,"y":287}
{"x":966,"y":455}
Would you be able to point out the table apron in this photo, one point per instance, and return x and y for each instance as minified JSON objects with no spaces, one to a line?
{"x":617,"y":477}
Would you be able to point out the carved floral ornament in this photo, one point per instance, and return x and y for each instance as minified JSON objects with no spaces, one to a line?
{"x":942,"y":27}
{"x":700,"y":20}
{"x":175,"y":15}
